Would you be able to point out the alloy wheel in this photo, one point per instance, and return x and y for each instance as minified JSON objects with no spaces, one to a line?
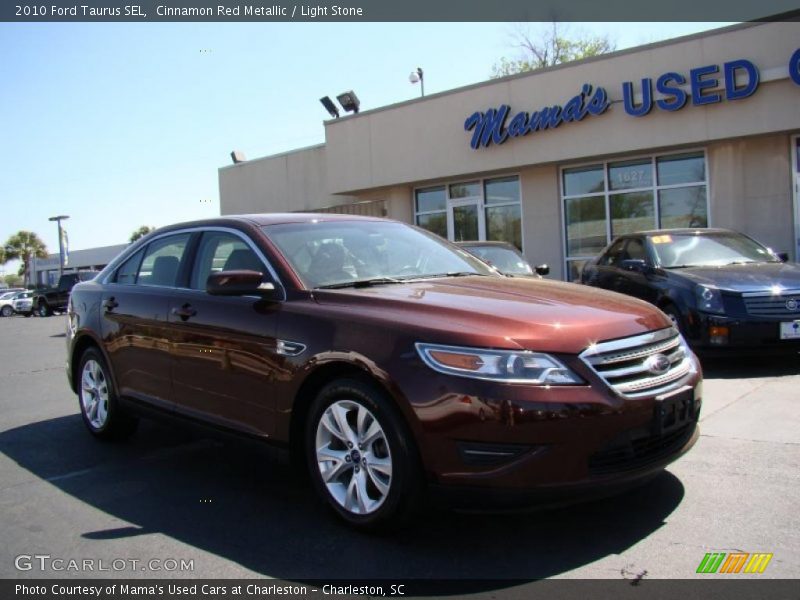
{"x":353,"y":457}
{"x":94,"y":394}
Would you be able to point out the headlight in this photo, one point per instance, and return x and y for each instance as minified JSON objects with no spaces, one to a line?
{"x":508,"y":366}
{"x":709,"y":299}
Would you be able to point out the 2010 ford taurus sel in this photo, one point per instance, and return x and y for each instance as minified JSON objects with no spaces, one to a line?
{"x":392,"y":362}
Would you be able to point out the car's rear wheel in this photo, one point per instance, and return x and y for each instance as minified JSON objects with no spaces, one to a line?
{"x":43,"y":310}
{"x":361,"y":457}
{"x":98,"y":400}
{"x":7,"y":311}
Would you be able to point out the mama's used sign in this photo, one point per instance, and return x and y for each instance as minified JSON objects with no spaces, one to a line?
{"x":702,"y":86}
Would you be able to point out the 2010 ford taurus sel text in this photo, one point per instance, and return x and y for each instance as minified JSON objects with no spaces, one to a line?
{"x":394,"y":363}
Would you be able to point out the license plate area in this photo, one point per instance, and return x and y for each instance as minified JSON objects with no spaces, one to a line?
{"x":790,"y":330}
{"x":674,"y":410}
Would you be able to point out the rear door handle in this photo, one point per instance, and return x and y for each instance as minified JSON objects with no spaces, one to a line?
{"x":110,"y":304}
{"x":184,"y":312}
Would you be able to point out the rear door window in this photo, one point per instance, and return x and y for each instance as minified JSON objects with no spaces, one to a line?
{"x":162,"y":261}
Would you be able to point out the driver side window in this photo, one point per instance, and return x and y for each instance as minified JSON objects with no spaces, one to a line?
{"x":222,"y":251}
{"x":614,"y":255}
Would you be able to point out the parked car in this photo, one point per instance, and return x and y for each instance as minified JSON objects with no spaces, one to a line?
{"x":721,"y":288}
{"x":49,"y":300}
{"x":390,"y":362}
{"x":7,"y":302}
{"x":23,"y":303}
{"x":504,"y":257}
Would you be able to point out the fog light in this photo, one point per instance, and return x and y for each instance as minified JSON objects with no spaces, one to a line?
{"x":718,"y":335}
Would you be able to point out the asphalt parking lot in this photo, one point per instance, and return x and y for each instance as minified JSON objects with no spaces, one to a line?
{"x":235,"y":511}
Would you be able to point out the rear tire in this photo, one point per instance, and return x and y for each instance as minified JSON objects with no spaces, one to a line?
{"x":43,"y":310}
{"x":98,"y":400}
{"x":361,"y":456}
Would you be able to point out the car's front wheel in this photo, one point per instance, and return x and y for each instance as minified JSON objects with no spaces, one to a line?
{"x":98,"y":400}
{"x":7,"y":311}
{"x":361,"y":457}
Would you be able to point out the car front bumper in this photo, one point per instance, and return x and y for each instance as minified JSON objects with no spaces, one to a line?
{"x":743,"y":334}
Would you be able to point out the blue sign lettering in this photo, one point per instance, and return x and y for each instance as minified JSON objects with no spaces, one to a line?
{"x":675,"y":97}
{"x":647,"y":98}
{"x":794,"y":67}
{"x":736,"y":93}
{"x":490,"y":127}
{"x":699,"y":84}
{"x":704,"y":88}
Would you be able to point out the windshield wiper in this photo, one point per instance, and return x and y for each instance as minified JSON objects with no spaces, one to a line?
{"x":360,"y":283}
{"x":680,"y":267}
{"x":451,"y":274}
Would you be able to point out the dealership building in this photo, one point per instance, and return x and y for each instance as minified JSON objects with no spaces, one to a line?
{"x":700,"y":131}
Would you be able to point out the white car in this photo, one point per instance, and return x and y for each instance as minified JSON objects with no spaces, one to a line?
{"x":7,"y":298}
{"x":23,"y":303}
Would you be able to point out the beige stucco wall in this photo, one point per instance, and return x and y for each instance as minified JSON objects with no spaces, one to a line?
{"x":283,"y":183}
{"x":425,"y":139}
{"x":751,"y":188}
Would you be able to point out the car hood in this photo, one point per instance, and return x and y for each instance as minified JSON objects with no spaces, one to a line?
{"x":753,"y":277}
{"x":533,"y":314}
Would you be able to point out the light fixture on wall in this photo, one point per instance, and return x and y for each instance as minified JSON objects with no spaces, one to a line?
{"x":237,"y":156}
{"x":418,"y":77}
{"x":349,"y":101}
{"x":330,"y":106}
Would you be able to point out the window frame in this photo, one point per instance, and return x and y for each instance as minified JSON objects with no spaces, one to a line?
{"x":450,"y":203}
{"x":108,"y":279}
{"x":607,"y":192}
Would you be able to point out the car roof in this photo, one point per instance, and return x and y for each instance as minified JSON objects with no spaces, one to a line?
{"x":680,"y":231}
{"x":261,"y":219}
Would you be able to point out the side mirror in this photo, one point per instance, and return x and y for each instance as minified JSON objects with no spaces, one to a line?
{"x":239,"y":283}
{"x":542,"y":270}
{"x":784,"y":256}
{"x":634,"y":264}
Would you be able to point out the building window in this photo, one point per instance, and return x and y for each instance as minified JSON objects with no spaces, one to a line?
{"x":608,"y":199}
{"x":488,"y":209}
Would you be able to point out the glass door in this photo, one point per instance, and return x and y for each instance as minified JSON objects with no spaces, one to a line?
{"x":465,"y":220}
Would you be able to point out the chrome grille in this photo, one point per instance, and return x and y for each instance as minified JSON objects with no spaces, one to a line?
{"x":766,"y":304}
{"x":623,"y":364}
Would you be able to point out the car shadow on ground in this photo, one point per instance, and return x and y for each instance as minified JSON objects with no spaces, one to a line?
{"x":737,"y":367}
{"x":242,"y":504}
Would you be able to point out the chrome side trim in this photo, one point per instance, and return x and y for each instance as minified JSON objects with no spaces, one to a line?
{"x":287,"y":348}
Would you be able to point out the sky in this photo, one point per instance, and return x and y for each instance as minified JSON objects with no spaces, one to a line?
{"x":121,"y":125}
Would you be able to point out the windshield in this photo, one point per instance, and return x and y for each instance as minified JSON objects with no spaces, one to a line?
{"x":8,"y":295}
{"x":503,"y":259}
{"x":341,"y":253}
{"x":710,"y":249}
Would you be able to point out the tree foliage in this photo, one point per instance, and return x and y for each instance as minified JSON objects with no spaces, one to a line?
{"x":549,"y":47}
{"x":24,"y":246}
{"x":141,"y":232}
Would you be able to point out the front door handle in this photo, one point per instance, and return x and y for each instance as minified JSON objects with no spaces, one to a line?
{"x":110,"y":304}
{"x":184,"y":312}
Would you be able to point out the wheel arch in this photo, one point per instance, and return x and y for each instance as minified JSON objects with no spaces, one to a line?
{"x":325,"y":373}
{"x":82,"y":342}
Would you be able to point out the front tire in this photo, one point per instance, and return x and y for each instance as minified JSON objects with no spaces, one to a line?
{"x":98,"y":400}
{"x":6,"y":311}
{"x":361,"y":456}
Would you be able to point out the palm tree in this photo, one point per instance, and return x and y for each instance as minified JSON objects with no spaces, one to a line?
{"x":25,"y":245}
{"x":141,"y":232}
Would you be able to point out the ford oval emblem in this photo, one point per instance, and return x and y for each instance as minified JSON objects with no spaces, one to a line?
{"x":657,"y":364}
{"x":791,"y":304}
